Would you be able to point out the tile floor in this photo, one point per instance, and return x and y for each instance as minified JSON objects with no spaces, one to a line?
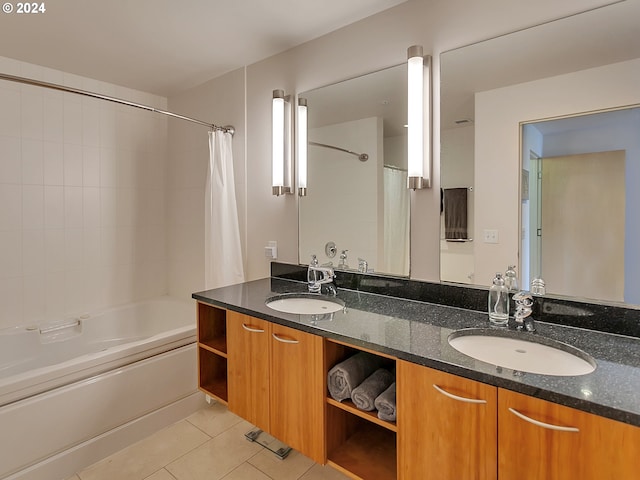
{"x":210,"y":444}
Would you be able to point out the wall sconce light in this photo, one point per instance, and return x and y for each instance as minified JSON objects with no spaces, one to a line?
{"x":419,"y":118}
{"x":302,"y":146}
{"x":281,"y":144}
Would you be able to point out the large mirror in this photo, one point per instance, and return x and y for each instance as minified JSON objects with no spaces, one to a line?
{"x":539,"y":102}
{"x":355,"y":214}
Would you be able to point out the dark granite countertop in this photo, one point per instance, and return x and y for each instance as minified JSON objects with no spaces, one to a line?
{"x":417,"y":332}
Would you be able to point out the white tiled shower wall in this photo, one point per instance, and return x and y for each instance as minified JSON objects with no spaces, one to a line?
{"x":82,"y":197}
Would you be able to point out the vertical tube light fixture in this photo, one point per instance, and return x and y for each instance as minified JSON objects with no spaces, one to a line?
{"x":302,"y":146}
{"x":280,"y":144}
{"x":419,"y":120}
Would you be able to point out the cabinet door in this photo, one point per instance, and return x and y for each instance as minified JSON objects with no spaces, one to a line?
{"x":540,"y":439}
{"x":446,"y":425}
{"x":297,"y":391}
{"x":248,"y":342}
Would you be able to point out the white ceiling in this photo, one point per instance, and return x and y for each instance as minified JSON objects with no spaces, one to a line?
{"x":165,"y":46}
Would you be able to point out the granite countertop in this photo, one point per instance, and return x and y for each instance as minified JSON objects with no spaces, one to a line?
{"x":417,"y":332}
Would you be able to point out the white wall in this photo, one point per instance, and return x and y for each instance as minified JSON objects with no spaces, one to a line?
{"x":82,"y":198}
{"x":344,"y":201}
{"x":498,"y":116}
{"x":220,"y":101}
{"x":376,"y":42}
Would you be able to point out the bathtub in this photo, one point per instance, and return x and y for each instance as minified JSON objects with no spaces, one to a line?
{"x":76,"y":389}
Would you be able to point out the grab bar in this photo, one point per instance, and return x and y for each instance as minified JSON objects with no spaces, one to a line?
{"x":60,"y":326}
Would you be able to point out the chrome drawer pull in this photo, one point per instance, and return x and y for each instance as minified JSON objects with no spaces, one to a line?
{"x":283,"y":340}
{"x":542,"y":424}
{"x":254,"y":330}
{"x":455,"y":397}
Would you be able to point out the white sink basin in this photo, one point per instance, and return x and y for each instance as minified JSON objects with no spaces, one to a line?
{"x":525,"y":352}
{"x":305,"y":303}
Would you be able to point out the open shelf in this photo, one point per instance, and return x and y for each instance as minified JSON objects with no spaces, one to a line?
{"x":358,"y":442}
{"x":360,"y":447}
{"x":212,"y":374}
{"x":212,"y":327}
{"x":349,"y":406}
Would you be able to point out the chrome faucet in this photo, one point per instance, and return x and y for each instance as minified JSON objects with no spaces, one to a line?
{"x":363,"y":265}
{"x":524,"y":308}
{"x":318,"y":276}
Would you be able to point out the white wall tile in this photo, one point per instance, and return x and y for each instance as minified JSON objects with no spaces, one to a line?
{"x":54,"y":296}
{"x":10,"y":207}
{"x":90,"y":123}
{"x":72,"y":164}
{"x":32,"y":162}
{"x":11,"y":301}
{"x":53,"y":206}
{"x":32,"y":115}
{"x":10,"y":166}
{"x":10,"y":113}
{"x":53,"y":163}
{"x":82,"y":199}
{"x":91,"y":207}
{"x":33,"y":254}
{"x":53,"y":117}
{"x":108,"y":167}
{"x":34,"y":299}
{"x":32,"y":207}
{"x":108,"y":207}
{"x":91,"y":166}
{"x":73,"y":208}
{"x":72,"y":121}
{"x":10,"y":253}
{"x":54,"y":250}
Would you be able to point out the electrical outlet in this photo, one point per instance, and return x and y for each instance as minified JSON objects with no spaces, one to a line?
{"x":491,"y":236}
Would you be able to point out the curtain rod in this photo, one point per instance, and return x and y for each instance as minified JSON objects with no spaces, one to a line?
{"x":29,"y":81}
{"x":363,"y":157}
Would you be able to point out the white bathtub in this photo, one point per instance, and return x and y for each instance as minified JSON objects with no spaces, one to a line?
{"x":76,"y":389}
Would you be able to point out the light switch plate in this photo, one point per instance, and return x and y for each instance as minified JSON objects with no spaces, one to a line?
{"x":491,"y":236}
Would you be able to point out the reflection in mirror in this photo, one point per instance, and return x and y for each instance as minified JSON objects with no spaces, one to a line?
{"x":357,"y":193}
{"x":578,"y":203}
{"x":586,"y":63}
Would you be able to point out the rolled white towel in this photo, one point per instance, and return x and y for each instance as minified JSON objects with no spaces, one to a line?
{"x":365,"y":394}
{"x":386,"y":404}
{"x":347,"y":375}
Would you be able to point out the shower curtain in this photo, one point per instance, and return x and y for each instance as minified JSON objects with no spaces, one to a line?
{"x":396,"y":222}
{"x":223,"y":251}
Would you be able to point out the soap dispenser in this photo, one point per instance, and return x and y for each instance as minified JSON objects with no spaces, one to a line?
{"x":498,"y":302}
{"x":511,"y":278}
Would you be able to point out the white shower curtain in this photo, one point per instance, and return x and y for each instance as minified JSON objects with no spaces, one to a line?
{"x":223,"y":251}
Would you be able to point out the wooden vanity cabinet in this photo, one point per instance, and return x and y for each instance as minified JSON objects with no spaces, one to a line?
{"x":297,"y":391}
{"x":275,"y":381}
{"x":543,"y":440}
{"x":446,"y":426}
{"x":248,"y":341}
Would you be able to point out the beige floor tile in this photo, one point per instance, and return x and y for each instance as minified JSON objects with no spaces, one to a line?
{"x":214,"y":420}
{"x":147,"y":456}
{"x":319,"y":472}
{"x":216,"y":458}
{"x":161,"y":475}
{"x":291,"y":468}
{"x":246,"y":472}
{"x":75,"y":477}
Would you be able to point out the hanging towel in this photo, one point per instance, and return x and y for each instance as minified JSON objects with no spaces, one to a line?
{"x":455,"y":214}
{"x":386,"y":404}
{"x":365,"y":394}
{"x":347,"y":375}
